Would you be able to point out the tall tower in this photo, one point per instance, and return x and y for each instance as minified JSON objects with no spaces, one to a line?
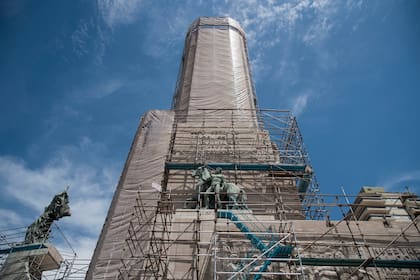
{"x":214,"y":70}
{"x":216,"y":188}
{"x":161,"y":224}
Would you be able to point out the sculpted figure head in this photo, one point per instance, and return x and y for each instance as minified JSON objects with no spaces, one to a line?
{"x":39,"y":230}
{"x":59,"y":206}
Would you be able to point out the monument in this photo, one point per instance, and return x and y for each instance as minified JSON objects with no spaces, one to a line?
{"x":35,"y":255}
{"x":252,"y":208}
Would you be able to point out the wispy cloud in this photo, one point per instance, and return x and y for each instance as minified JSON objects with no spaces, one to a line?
{"x":167,"y":28}
{"x":84,"y":247}
{"x":10,"y":218}
{"x":260,"y":18}
{"x":80,"y":38}
{"x":399,"y":182}
{"x":323,"y":21}
{"x":271,"y":24}
{"x":115,"y":12}
{"x":93,"y":35}
{"x":101,"y":89}
{"x":91,"y":185}
{"x":299,"y":104}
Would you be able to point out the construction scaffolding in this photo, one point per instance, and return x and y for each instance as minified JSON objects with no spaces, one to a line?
{"x":272,"y":222}
{"x":237,"y":244}
{"x":264,"y":154}
{"x":282,"y":233}
{"x":12,"y":250}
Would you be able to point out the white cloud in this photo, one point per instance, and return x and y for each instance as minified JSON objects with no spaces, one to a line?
{"x":410,"y":179}
{"x":91,"y":185}
{"x":167,"y":28}
{"x":270,"y":24}
{"x":299,"y":104}
{"x":106,"y":88}
{"x":261,"y":18}
{"x":84,"y":247}
{"x":94,"y":89}
{"x":92,"y":181}
{"x":323,"y":22}
{"x":10,"y":218}
{"x":31,"y":187}
{"x":80,"y":38}
{"x":88,"y":213}
{"x":89,"y":39}
{"x":115,"y":12}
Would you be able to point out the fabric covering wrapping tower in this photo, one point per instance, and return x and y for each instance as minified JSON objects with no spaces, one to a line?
{"x":215,"y":71}
{"x":159,"y":226}
{"x":214,"y":105}
{"x":213,"y":122}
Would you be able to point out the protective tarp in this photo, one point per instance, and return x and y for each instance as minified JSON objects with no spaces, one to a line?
{"x":143,"y":172}
{"x":214,"y":71}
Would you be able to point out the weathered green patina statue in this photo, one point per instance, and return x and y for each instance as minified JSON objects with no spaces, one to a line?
{"x":203,"y":183}
{"x":217,"y":181}
{"x":216,"y":190}
{"x":39,"y":230}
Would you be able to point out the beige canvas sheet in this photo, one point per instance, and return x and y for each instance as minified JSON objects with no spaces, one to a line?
{"x":143,"y":171}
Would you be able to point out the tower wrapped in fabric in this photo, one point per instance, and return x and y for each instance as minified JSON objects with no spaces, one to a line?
{"x":213,"y":122}
{"x":143,"y":171}
{"x":216,"y":188}
{"x":215,"y":72}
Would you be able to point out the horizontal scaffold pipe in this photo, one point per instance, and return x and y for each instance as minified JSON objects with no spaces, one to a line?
{"x":238,"y":166}
{"x":412,"y":264}
{"x":21,"y":248}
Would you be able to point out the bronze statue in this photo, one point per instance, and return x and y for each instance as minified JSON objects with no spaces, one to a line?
{"x":216,"y":190}
{"x":39,"y":230}
{"x":216,"y":185}
{"x":204,"y":180}
{"x":235,"y":196}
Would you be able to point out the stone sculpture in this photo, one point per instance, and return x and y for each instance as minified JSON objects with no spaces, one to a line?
{"x":39,"y":230}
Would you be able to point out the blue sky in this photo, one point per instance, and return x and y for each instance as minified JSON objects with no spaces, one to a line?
{"x":75,"y":77}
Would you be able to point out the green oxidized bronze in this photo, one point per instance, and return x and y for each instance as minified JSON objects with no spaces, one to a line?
{"x":215,"y":191}
{"x":38,"y":231}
